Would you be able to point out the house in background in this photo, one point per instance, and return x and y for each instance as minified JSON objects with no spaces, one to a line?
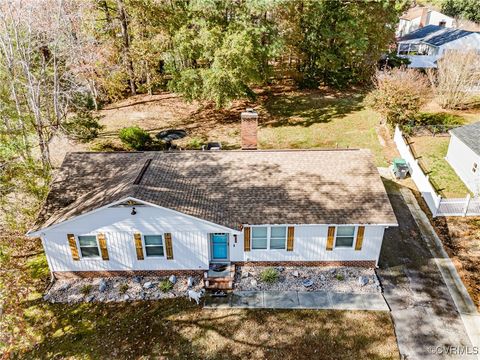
{"x":160,"y":213}
{"x":425,"y":46}
{"x":464,"y":155}
{"x":418,"y":17}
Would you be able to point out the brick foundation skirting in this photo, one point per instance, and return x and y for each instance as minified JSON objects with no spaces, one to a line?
{"x":362,"y":263}
{"x":59,"y":275}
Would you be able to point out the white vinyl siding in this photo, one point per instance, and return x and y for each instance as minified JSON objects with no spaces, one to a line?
{"x":190,"y":240}
{"x":462,"y":159}
{"x":310,"y":245}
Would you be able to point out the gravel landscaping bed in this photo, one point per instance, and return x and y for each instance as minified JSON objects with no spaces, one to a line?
{"x":335,"y":279}
{"x":119,"y":289}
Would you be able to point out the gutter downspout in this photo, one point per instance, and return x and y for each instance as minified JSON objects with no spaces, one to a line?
{"x":52,"y":277}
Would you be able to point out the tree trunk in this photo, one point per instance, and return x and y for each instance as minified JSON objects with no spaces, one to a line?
{"x":122,"y":15}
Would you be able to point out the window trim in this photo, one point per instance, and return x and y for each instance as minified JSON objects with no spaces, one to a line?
{"x":144,"y":247}
{"x":355,"y":230}
{"x":269,"y":237}
{"x":252,"y":238}
{"x":77,"y":238}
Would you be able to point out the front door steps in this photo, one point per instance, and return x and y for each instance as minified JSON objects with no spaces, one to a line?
{"x":219,"y":277}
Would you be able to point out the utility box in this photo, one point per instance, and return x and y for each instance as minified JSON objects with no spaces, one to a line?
{"x":400,"y":168}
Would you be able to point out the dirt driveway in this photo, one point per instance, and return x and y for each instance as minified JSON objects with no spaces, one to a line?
{"x":427,"y":322}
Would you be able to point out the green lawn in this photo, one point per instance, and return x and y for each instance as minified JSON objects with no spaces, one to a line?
{"x":288,"y":118}
{"x":433,"y":151}
{"x":177,"y":329}
{"x":305,"y":120}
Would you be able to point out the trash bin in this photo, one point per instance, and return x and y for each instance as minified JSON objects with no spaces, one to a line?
{"x":400,"y":168}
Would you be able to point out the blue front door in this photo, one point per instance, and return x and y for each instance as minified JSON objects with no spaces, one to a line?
{"x":219,"y":246}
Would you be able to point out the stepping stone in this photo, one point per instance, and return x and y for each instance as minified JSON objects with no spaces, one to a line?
{"x":248,"y":299}
{"x":281,"y":299}
{"x":314,"y":299}
{"x":347,"y":301}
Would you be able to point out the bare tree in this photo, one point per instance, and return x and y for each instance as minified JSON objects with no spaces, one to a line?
{"x":40,"y":44}
{"x":127,"y":58}
{"x":457,"y":79}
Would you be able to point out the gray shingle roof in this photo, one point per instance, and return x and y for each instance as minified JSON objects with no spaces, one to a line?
{"x":229,"y":188}
{"x":436,"y":35}
{"x":469,"y":135}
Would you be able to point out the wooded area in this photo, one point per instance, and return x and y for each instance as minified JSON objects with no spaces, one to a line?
{"x":60,"y":60}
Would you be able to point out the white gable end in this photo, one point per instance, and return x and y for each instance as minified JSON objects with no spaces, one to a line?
{"x":190,"y":240}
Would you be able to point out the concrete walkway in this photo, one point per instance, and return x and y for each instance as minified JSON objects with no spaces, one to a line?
{"x":298,"y":300}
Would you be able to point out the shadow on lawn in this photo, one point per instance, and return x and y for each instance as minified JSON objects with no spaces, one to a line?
{"x":306,"y":108}
{"x":407,"y":263}
{"x":177,"y":329}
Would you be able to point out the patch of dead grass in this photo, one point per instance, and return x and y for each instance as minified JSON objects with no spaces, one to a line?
{"x":178,"y":329}
{"x":461,"y":238}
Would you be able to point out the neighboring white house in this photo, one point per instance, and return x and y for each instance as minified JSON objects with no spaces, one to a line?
{"x":418,"y":17}
{"x":425,"y":46}
{"x":464,"y":155}
{"x":177,"y":212}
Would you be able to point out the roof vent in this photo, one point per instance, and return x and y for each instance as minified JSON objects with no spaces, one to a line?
{"x":212,"y":146}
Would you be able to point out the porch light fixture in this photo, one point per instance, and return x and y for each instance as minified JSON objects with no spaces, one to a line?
{"x":133,"y":211}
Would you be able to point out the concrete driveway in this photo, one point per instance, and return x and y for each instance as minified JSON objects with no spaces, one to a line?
{"x":427,"y":323}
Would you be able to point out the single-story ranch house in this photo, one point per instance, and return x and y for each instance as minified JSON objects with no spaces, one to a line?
{"x":463,"y":155}
{"x":176,"y":212}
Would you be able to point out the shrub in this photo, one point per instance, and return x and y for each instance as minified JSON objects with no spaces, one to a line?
{"x":440,"y":118}
{"x":123,"y":289}
{"x":456,"y":79}
{"x":83,"y":126}
{"x":392,"y":60}
{"x":85,"y":290}
{"x":269,"y":275}
{"x":399,"y":94}
{"x":195,"y":143}
{"x":107,"y":146}
{"x":340,"y":277}
{"x":165,"y":286}
{"x":135,"y":137}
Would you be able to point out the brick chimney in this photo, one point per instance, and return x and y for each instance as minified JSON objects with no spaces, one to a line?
{"x":249,"y":129}
{"x":424,"y":17}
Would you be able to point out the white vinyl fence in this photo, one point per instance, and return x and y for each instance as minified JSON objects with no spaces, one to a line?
{"x":438,"y":206}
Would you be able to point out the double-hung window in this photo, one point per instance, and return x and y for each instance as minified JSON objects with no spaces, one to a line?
{"x":88,"y":246}
{"x":259,"y":237}
{"x":153,"y":245}
{"x":278,"y":237}
{"x":344,"y":236}
{"x":269,"y":237}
